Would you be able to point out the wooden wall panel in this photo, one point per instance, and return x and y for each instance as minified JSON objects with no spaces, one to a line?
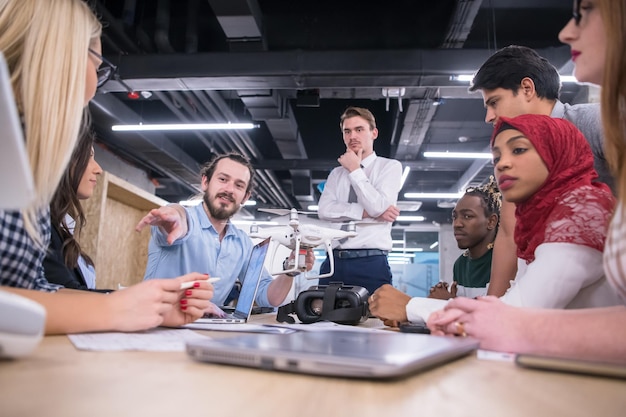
{"x":119,"y":252}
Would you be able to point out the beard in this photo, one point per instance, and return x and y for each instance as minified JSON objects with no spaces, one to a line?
{"x":217,"y":210}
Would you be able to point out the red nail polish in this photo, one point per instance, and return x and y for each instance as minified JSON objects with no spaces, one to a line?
{"x":183,"y":308}
{"x":196,"y":284}
{"x":188,"y":292}
{"x":183,"y":301}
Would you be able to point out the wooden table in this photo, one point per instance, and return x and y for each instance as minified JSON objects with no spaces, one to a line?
{"x":58,"y":380}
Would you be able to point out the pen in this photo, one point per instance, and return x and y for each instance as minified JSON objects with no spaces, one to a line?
{"x":189,"y":284}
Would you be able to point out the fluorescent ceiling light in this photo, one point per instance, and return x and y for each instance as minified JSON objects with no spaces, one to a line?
{"x":197,"y":201}
{"x":397,"y":242}
{"x":183,"y":126}
{"x":414,"y":249}
{"x":190,"y":203}
{"x":434,"y":245}
{"x":408,"y":205}
{"x":401,"y":255}
{"x":313,"y":208}
{"x":405,"y":174}
{"x":399,"y":261}
{"x":251,"y":222}
{"x":463,"y":77}
{"x":467,"y":155}
{"x":410,"y":218}
{"x":469,"y":77}
{"x":435,"y":196}
{"x":568,"y":79}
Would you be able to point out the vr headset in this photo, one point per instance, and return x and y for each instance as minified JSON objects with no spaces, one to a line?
{"x":343,"y":304}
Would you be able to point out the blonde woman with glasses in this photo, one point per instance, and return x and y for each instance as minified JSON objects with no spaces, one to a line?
{"x":53,"y":52}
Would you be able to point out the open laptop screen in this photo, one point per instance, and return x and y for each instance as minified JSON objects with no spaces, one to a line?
{"x":251,"y":279}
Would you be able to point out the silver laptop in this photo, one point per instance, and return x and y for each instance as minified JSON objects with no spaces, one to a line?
{"x":16,"y":183}
{"x":249,"y":287}
{"x":336,"y":353}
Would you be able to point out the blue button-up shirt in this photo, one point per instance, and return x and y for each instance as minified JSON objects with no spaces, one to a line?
{"x":200,"y":250}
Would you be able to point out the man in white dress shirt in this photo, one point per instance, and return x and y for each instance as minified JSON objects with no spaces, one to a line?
{"x":365,"y":189}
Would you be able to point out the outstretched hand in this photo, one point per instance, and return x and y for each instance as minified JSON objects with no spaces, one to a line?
{"x":172,"y":220}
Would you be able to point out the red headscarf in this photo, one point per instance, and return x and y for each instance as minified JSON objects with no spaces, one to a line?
{"x":570,"y":206}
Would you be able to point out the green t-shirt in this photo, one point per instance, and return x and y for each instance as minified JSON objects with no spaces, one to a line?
{"x":473,"y":273}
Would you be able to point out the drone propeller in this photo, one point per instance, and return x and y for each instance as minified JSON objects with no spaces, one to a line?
{"x":284,"y":212}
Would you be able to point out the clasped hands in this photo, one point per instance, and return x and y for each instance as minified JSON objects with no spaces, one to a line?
{"x":441,"y":291}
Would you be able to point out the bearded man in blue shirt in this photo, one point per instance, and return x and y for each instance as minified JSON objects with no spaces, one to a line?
{"x":202,"y":238}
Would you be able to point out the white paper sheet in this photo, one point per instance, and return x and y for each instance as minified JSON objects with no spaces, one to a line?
{"x":493,"y":355}
{"x":158,"y":340}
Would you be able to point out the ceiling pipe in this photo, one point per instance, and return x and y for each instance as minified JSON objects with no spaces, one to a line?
{"x":461,"y":23}
{"x":236,"y":142}
{"x":162,"y":27}
{"x":191,"y":34}
{"x":113,"y":25}
{"x":166,"y":98}
{"x":242,"y":143}
{"x":176,"y":165}
{"x":223,"y":146}
{"x":219,"y":106}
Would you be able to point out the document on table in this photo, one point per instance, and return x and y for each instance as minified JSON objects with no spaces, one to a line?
{"x":157,"y":340}
{"x":493,"y":355}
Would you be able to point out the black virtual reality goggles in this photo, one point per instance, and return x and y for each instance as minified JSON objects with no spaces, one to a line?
{"x":343,"y":304}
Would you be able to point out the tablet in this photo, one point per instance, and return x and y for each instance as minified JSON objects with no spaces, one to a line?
{"x":572,"y":365}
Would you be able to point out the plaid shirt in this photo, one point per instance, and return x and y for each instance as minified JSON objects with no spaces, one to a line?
{"x":20,"y":258}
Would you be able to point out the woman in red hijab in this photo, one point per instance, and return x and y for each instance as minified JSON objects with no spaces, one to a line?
{"x":545,"y":166}
{"x":597,"y":33}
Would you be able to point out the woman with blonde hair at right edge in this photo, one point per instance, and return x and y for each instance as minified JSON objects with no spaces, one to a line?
{"x":597,"y":37}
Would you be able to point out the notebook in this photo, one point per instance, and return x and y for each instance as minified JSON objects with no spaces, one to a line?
{"x":335,"y":353}
{"x":548,"y":363}
{"x":249,"y":288}
{"x":17,"y":189}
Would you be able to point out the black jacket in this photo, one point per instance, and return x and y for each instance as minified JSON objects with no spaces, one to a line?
{"x":54,"y":265}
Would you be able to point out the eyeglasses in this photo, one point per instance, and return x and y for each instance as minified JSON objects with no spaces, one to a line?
{"x":106,"y":71}
{"x":576,"y":12}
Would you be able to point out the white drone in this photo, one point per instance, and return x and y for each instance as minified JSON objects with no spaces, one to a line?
{"x":301,"y":237}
